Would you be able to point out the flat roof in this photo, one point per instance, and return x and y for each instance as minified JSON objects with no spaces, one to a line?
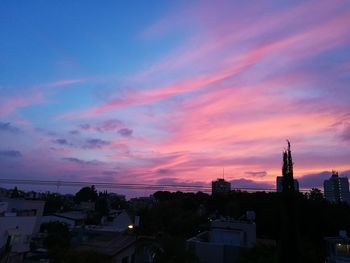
{"x":107,"y":243}
{"x":75,"y":215}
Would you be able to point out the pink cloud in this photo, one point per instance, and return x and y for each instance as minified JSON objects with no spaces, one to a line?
{"x":295,"y":47}
{"x":234,"y":92}
{"x":11,"y":104}
{"x":62,"y":83}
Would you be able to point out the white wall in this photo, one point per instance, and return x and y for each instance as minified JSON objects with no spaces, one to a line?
{"x":25,"y":226}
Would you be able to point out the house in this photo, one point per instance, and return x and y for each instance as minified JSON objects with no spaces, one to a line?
{"x":338,"y":248}
{"x":223,"y":242}
{"x":113,"y":246}
{"x":19,"y":221}
{"x":118,"y":220}
{"x":71,"y":218}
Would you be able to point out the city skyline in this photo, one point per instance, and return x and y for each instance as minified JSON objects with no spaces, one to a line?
{"x":173,"y":92}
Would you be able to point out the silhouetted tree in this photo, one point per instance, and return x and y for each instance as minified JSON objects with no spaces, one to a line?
{"x":86,"y":194}
{"x":316,"y":195}
{"x":57,"y":240}
{"x":53,"y":203}
{"x":176,"y":215}
{"x":117,"y":202}
{"x":173,"y":251}
{"x":15,"y":193}
{"x":288,"y":240}
{"x":101,"y":205}
{"x":259,"y":254}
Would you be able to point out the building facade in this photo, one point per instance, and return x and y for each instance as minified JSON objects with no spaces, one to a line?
{"x":336,"y":189}
{"x":19,"y":221}
{"x":224,"y":241}
{"x":220,"y":186}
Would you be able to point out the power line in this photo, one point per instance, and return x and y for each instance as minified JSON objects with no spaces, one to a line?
{"x":131,"y":186}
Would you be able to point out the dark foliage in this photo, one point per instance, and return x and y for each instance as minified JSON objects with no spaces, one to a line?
{"x":53,"y":203}
{"x":86,"y":194}
{"x":101,"y":205}
{"x":57,"y":240}
{"x":182,"y":215}
{"x":84,"y":257}
{"x":173,"y":251}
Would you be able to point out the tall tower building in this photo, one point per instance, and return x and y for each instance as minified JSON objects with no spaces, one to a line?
{"x":336,"y":189}
{"x":220,"y":186}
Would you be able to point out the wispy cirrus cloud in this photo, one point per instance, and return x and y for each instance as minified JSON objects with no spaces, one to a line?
{"x":10,"y":104}
{"x":80,"y":161}
{"x":61,"y":83}
{"x":256,"y":174}
{"x":237,"y":81}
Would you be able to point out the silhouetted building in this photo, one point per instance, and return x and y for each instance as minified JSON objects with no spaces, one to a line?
{"x":224,"y":241}
{"x":336,"y":189}
{"x":279,"y":184}
{"x":220,"y":186}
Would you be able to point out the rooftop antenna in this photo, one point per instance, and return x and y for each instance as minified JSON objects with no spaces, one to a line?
{"x":223,"y":173}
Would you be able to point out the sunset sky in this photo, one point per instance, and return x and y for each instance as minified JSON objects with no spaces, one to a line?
{"x":174,"y":91}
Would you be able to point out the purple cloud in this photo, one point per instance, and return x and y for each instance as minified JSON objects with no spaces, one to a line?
{"x":125,"y":132}
{"x":8,"y":127}
{"x":164,"y":171}
{"x":247,"y":183}
{"x":346,"y":133}
{"x":257,"y":174}
{"x":79,"y":161}
{"x":85,"y":126}
{"x":105,"y":126}
{"x":317,"y":179}
{"x":10,"y":153}
{"x":109,"y":125}
{"x":63,"y":142}
{"x":95,"y":143}
{"x":74,"y":132}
